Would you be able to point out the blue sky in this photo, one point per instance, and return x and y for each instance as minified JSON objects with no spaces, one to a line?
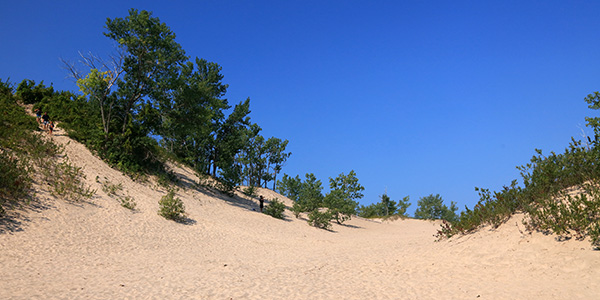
{"x":418,"y":97}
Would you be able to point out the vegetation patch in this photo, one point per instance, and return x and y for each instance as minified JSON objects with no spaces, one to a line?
{"x":275,"y":209}
{"x":320,"y":219}
{"x":171,"y":208}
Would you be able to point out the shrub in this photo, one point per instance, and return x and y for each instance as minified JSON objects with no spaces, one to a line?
{"x":128,"y":202}
{"x":15,"y":180}
{"x":297,"y":209}
{"x":171,"y":208}
{"x":110,"y":188}
{"x":65,"y":180}
{"x":432,"y":208}
{"x":249,"y":191}
{"x":275,"y":209}
{"x":320,"y":219}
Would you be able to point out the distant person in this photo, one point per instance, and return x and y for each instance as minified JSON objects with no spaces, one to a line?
{"x":38,"y":115}
{"x":261,"y":200}
{"x":46,"y":120}
{"x":51,"y":127}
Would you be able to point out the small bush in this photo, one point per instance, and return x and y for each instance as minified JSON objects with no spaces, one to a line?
{"x":297,"y":209}
{"x":275,"y":209}
{"x":65,"y":180}
{"x":320,"y":219}
{"x":171,"y":208}
{"x":249,"y":191}
{"x":15,"y":180}
{"x":110,"y":188}
{"x":128,"y":202}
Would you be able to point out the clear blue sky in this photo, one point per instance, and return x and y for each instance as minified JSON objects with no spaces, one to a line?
{"x":418,"y":97}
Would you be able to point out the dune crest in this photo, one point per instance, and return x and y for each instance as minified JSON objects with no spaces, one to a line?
{"x":228,"y":250}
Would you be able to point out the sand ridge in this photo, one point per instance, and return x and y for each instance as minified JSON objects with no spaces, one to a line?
{"x":228,"y":250}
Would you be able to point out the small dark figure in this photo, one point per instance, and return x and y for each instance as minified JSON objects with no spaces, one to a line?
{"x":51,"y":127}
{"x":38,"y":115}
{"x":261,"y":200}
{"x":46,"y":119}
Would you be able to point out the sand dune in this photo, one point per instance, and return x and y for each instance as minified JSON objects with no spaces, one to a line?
{"x":227,"y":250}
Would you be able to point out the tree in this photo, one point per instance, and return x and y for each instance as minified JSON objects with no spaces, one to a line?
{"x":403,"y":206}
{"x":290,"y":187}
{"x":194,"y":113}
{"x":131,"y":88}
{"x":388,"y":205}
{"x":310,"y":197}
{"x":276,"y":156}
{"x":432,"y":208}
{"x":345,"y":189}
{"x":151,"y":65}
{"x":385,"y":207}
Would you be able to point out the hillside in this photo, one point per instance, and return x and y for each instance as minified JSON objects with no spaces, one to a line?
{"x":227,"y":250}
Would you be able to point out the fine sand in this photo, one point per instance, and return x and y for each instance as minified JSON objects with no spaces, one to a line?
{"x":225,"y":249}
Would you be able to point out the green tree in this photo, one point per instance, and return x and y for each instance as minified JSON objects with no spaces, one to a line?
{"x":276,"y":157}
{"x":432,"y":207}
{"x":290,"y":187}
{"x":385,"y":207}
{"x":341,"y":200}
{"x":403,"y":206}
{"x":193,"y":114}
{"x":31,"y":93}
{"x":388,"y":205}
{"x":311,"y":196}
{"x":151,"y":65}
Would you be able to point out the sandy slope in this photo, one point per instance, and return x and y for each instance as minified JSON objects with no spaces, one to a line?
{"x":100,"y":250}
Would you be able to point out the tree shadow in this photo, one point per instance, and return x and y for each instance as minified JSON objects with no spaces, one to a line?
{"x":351,"y":226}
{"x":15,"y":218}
{"x":186,"y":221}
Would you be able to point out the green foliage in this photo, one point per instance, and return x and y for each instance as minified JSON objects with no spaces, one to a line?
{"x":15,"y":179}
{"x":171,"y":208}
{"x":307,"y":195}
{"x":544,"y":197}
{"x":110,"y":188}
{"x":340,"y":201}
{"x":24,"y":154}
{"x":128,"y":202}
{"x":249,"y":191}
{"x":66,"y":182}
{"x":386,"y":207}
{"x":403,"y":206}
{"x":262,"y":159}
{"x":275,"y":209}
{"x":432,"y":208}
{"x":290,"y":187}
{"x":297,"y":209}
{"x":114,"y":191}
{"x":30,"y":93}
{"x":320,"y":219}
{"x":310,"y":197}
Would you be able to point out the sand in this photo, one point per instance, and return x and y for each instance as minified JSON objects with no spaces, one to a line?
{"x":227,"y":250}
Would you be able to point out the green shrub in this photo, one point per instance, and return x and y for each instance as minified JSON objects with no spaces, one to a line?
{"x":66,"y":182}
{"x":297,"y":209}
{"x":128,"y":202}
{"x":15,"y":180}
{"x":110,"y":188}
{"x":433,"y":208}
{"x":275,"y":209}
{"x":249,"y":191}
{"x":320,"y":219}
{"x":171,"y":208}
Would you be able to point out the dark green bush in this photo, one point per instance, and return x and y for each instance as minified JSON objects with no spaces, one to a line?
{"x":432,"y":208}
{"x":171,"y":208}
{"x":275,"y":209}
{"x":15,"y":180}
{"x":320,"y":219}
